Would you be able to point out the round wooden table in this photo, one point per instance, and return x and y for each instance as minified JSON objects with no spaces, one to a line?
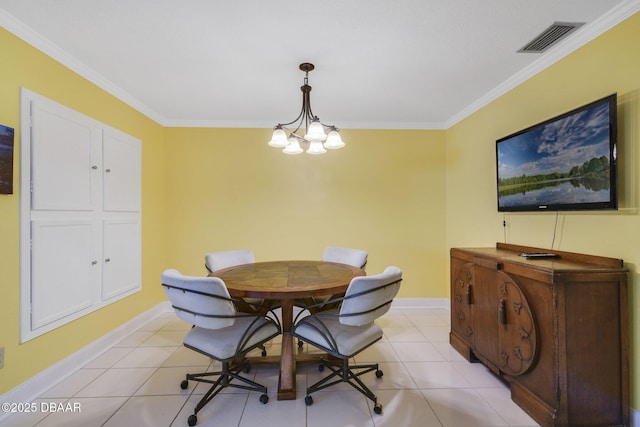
{"x":286,"y":281}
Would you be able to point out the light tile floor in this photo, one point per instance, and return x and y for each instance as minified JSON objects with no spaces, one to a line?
{"x":425,"y":383}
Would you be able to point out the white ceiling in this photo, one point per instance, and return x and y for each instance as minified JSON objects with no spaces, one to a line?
{"x":411,"y":64}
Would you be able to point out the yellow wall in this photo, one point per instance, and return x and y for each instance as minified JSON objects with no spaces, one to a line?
{"x":383,"y":192}
{"x":24,"y":66}
{"x":609,"y":64}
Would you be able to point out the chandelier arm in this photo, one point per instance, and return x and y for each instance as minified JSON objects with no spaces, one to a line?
{"x":330,"y":127}
{"x":306,"y":101}
{"x":293,"y":121}
{"x":306,"y":104}
{"x":303,"y":116}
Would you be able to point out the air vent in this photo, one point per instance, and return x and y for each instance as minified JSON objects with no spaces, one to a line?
{"x":551,"y":35}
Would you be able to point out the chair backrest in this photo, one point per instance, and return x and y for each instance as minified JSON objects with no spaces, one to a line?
{"x":354,"y":257}
{"x":369,"y":297}
{"x":200,"y":301}
{"x":218,"y":260}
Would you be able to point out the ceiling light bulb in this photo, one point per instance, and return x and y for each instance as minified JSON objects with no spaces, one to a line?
{"x":279,"y":138}
{"x":315,"y":132}
{"x":315,"y":147}
{"x":293,"y":147}
{"x":334,"y":140}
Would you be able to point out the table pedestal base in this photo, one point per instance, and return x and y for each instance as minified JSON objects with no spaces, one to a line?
{"x":287,"y":382}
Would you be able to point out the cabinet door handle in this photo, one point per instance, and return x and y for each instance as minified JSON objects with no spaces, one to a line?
{"x":108,"y":170}
{"x":107,"y":260}
{"x":502,"y":313}
{"x":94,"y":262}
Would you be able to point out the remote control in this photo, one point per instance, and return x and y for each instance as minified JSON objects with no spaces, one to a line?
{"x":529,"y":255}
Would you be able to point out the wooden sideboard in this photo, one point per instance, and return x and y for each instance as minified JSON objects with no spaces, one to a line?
{"x":556,"y":329}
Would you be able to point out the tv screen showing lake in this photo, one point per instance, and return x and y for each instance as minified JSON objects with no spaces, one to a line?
{"x":557,"y":192}
{"x":565,"y":161}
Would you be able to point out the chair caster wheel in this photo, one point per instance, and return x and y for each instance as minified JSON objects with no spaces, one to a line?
{"x":192,"y":420}
{"x":184,"y":384}
{"x":308,"y":400}
{"x":379,"y":373}
{"x":321,"y":368}
{"x":247,"y":369}
{"x":377,"y":408}
{"x":264,"y":399}
{"x":300,"y":343}
{"x":264,"y":353}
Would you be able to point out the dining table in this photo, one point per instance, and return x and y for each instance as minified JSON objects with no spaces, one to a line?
{"x":283,"y":283}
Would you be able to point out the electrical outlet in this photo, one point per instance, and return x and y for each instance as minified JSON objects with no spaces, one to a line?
{"x":1,"y":357}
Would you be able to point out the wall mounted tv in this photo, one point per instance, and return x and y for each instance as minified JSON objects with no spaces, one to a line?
{"x":566,"y":163}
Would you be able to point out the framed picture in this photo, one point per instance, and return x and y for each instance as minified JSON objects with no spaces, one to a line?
{"x":6,"y":160}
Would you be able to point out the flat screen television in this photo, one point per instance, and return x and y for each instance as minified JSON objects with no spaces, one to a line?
{"x":566,"y":163}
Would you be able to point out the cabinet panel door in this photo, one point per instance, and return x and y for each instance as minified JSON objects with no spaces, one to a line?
{"x":518,"y":335}
{"x":462,"y":321}
{"x":485,"y":296}
{"x":62,"y":269}
{"x":121,"y":257}
{"x":63,"y":159}
{"x":122,"y":172}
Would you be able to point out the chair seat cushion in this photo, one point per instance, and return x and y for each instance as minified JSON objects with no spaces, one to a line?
{"x":349,"y":340}
{"x":222,"y":344}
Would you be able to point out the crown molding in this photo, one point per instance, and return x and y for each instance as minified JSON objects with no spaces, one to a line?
{"x":35,"y":39}
{"x":265,"y":125}
{"x":587,"y":33}
{"x":581,"y":37}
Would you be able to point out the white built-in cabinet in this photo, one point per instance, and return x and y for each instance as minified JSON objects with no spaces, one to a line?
{"x":80,"y":215}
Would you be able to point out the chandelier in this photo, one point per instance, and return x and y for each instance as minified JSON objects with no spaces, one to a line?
{"x":317,"y":135}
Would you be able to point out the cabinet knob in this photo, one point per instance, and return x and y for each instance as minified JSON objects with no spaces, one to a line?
{"x":94,"y":262}
{"x":107,"y":260}
{"x":107,"y":170}
{"x":94,"y":167}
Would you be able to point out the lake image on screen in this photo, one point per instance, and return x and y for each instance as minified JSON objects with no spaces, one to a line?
{"x":6,"y":160}
{"x":565,"y":161}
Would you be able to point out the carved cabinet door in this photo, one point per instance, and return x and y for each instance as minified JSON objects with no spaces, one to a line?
{"x":462,"y":321}
{"x":517,"y":328}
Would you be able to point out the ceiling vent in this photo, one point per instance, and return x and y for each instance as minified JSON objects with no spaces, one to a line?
{"x":550,"y":36}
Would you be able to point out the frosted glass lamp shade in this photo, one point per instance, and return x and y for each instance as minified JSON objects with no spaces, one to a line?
{"x":334,"y":140}
{"x":279,"y":138}
{"x":315,"y":132}
{"x":315,"y":147}
{"x":293,"y":147}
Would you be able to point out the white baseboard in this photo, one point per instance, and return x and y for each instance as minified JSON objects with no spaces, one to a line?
{"x":635,"y":418}
{"x":41,"y":382}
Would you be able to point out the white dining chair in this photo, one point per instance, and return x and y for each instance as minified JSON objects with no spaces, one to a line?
{"x":222,"y":259}
{"x":215,"y":261}
{"x":353,"y":257}
{"x":219,"y":332}
{"x":346,"y":331}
